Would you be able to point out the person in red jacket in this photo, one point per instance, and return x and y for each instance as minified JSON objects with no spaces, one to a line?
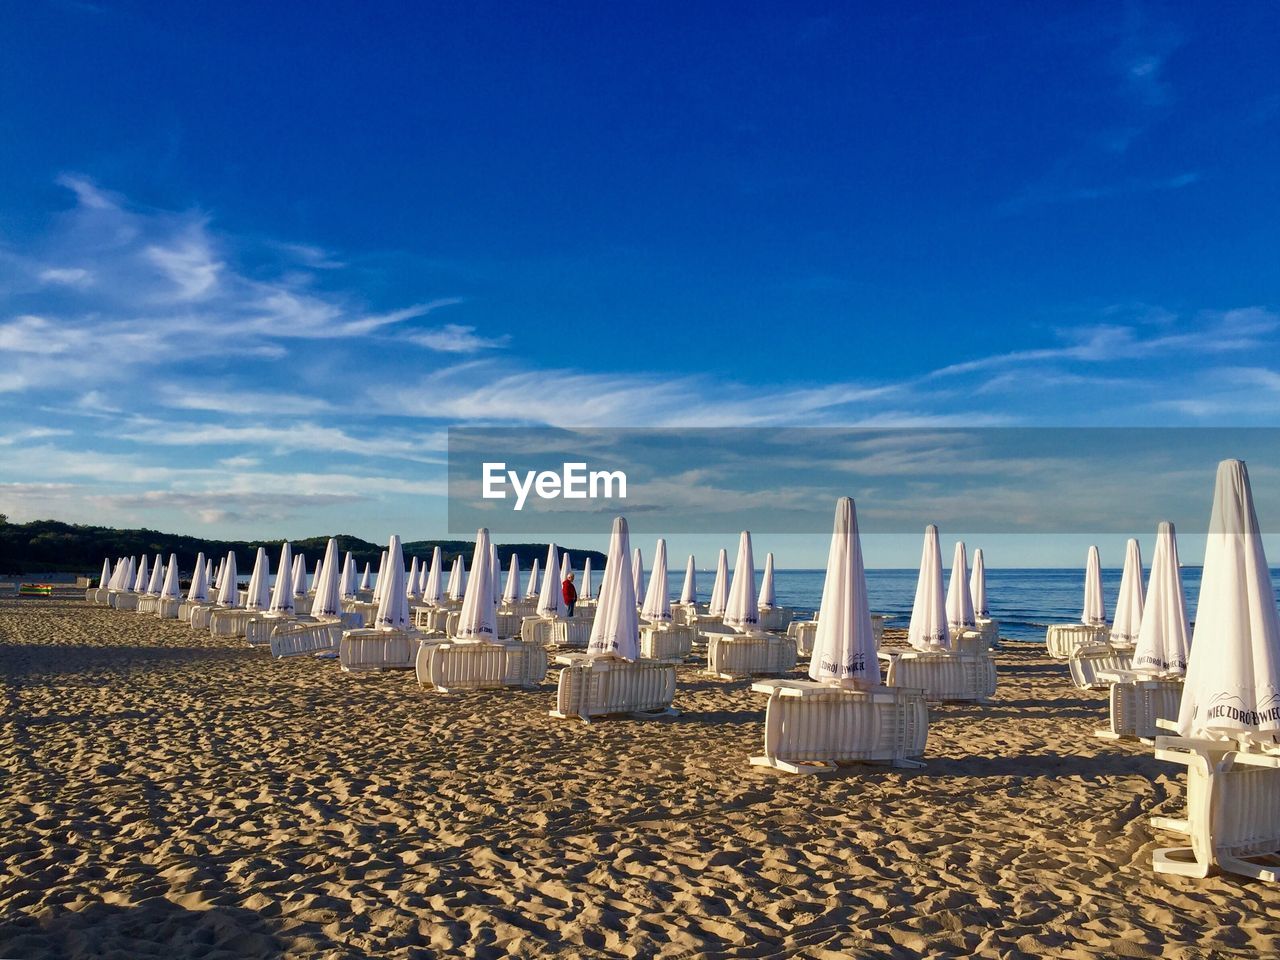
{"x":570,"y":594}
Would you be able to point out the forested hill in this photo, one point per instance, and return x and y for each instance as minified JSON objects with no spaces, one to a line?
{"x":47,"y":546}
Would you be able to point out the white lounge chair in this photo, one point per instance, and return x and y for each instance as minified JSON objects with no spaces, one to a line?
{"x":944,"y":676}
{"x":1061,"y":638}
{"x":734,"y":655}
{"x":1086,"y":663}
{"x":776,"y":619}
{"x":297,"y":639}
{"x":366,"y":609}
{"x":668,"y":643}
{"x":1233,"y":810}
{"x":200,"y":616}
{"x":452,"y":666}
{"x":146,"y":606}
{"x":120,"y":599}
{"x":372,"y":649}
{"x":230,"y":621}
{"x":990,"y":630}
{"x":167,"y":608}
{"x":572,"y":634}
{"x":1139,"y":703}
{"x":811,"y":727}
{"x":600,"y":686}
{"x":803,"y":633}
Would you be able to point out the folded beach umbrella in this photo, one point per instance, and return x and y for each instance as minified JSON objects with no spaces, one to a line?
{"x":456,"y":584}
{"x":615,"y":632}
{"x":478,"y":619}
{"x":720,"y":588}
{"x":584,"y":591}
{"x":299,"y":575}
{"x":959,"y":602}
{"x":117,"y":575}
{"x":411,"y":584}
{"x":690,"y":592}
{"x":978,"y":585}
{"x":208,"y":572}
{"x":534,"y":583}
{"x":566,"y":567}
{"x":157,"y":578}
{"x":132,"y":576}
{"x":198,"y":592}
{"x":315,"y":579}
{"x":393,"y":608}
{"x":105,"y":576}
{"x":143,"y":575}
{"x":229,"y":589}
{"x":347,"y":580}
{"x":258,"y":596}
{"x":495,"y":574}
{"x":512,"y":592}
{"x":741,"y":611}
{"x":282,"y":595}
{"x":768,"y":594}
{"x":929,"y":629}
{"x":433,"y":593}
{"x":328,"y":599}
{"x":380,"y":582}
{"x":1233,"y":673}
{"x":1164,"y":633}
{"x":222,"y":566}
{"x":844,"y":646}
{"x":1095,"y":609}
{"x":169,"y":589}
{"x":1128,"y":618}
{"x":365,"y":582}
{"x":549,"y":598}
{"x":657,"y":602}
{"x":637,"y":573}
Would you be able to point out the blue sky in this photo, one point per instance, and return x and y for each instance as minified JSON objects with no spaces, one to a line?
{"x":256,"y":259}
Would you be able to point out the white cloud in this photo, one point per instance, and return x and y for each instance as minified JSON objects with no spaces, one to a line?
{"x":72,"y":276}
{"x":456,"y":338}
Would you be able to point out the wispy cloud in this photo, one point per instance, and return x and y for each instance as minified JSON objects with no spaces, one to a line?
{"x":456,"y":338}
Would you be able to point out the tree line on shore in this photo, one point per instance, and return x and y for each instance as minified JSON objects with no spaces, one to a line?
{"x":51,"y":546}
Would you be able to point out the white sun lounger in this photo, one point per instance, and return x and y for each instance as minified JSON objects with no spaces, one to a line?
{"x":231,"y":621}
{"x":453,"y":666}
{"x":990,"y":630}
{"x":811,"y":727}
{"x":734,"y":655}
{"x":574,"y":634}
{"x":1061,"y":638}
{"x":370,"y":649}
{"x":200,"y":616}
{"x":167,"y":608}
{"x":1139,"y":703}
{"x":124,"y":600}
{"x":600,"y":686}
{"x":366,"y":609}
{"x":776,"y":619}
{"x":1233,"y":810}
{"x":146,"y":606}
{"x":669,"y":643}
{"x":98,"y":595}
{"x":1086,"y":663}
{"x":804,"y":633}
{"x":298,"y":639}
{"x":944,"y":676}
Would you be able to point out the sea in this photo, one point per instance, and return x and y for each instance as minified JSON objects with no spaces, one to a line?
{"x":1025,"y":601}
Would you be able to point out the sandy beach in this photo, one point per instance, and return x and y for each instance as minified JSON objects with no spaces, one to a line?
{"x":168,"y":794}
